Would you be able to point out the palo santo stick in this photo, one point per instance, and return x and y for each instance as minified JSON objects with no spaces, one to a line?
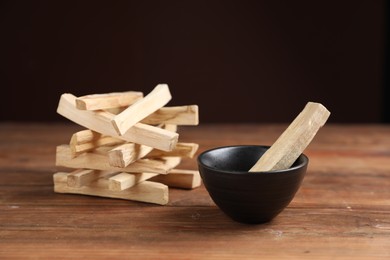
{"x":98,"y":160}
{"x":81,"y":177}
{"x":125,"y":154}
{"x":115,"y":110}
{"x":147,"y":191}
{"x":88,"y":140}
{"x":290,"y":145}
{"x":109,"y":100}
{"x":180,"y":115}
{"x":186,"y":150}
{"x":170,"y":127}
{"x":85,"y":136}
{"x":125,"y":180}
{"x":177,"y":178}
{"x":156,"y":99}
{"x":100,"y":121}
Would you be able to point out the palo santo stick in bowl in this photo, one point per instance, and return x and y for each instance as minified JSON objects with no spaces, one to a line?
{"x":287,"y":148}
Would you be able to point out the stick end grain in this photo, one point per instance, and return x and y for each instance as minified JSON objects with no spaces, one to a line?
{"x":81,"y":104}
{"x":117,"y":127}
{"x":322,"y":111}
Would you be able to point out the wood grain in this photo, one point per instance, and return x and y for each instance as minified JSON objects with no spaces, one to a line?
{"x":342,"y":210}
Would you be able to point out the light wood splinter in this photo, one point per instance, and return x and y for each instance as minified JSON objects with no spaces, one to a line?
{"x":290,"y":145}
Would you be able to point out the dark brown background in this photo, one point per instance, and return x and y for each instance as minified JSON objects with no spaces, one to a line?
{"x":240,"y":61}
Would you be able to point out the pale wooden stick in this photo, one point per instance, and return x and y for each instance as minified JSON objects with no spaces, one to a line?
{"x":156,"y":99}
{"x":170,"y":127}
{"x":85,"y":136}
{"x":290,"y":145}
{"x":126,"y":180}
{"x":178,"y":178}
{"x":98,"y":160}
{"x":180,"y":115}
{"x":115,"y":110}
{"x":151,"y":192}
{"x":100,"y":121}
{"x":109,"y":100}
{"x":88,"y":140}
{"x":187,"y":150}
{"x":81,"y":177}
{"x":125,"y":154}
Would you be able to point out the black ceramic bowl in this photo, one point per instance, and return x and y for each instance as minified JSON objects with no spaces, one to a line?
{"x":248,"y":197}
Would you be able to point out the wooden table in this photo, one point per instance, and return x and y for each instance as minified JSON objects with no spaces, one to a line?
{"x":341,"y":211}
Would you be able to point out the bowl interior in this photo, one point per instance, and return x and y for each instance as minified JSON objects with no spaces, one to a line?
{"x":236,"y":159}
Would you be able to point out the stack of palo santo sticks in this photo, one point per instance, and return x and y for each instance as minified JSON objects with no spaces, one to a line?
{"x":130,"y":149}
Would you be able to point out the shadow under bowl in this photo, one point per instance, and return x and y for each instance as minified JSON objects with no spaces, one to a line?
{"x":248,"y":197}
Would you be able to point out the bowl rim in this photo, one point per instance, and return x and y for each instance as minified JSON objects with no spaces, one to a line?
{"x":301,"y":165}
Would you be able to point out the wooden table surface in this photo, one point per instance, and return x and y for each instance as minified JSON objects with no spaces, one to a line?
{"x":341,"y":211}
